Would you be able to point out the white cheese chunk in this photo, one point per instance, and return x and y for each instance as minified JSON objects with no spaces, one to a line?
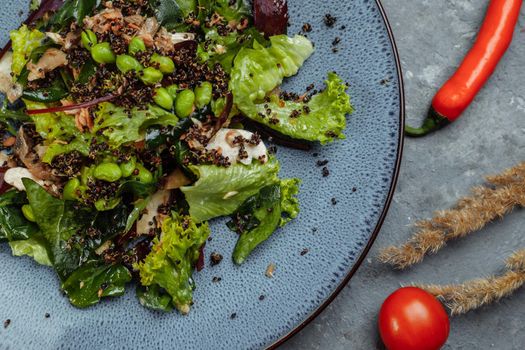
{"x":14,"y":177}
{"x":223,"y":142}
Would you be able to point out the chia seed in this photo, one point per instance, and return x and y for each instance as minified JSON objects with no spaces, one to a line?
{"x":326,"y":172}
{"x":334,"y":201}
{"x":261,"y":297}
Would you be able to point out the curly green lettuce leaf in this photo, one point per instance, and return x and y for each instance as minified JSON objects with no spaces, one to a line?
{"x":220,"y":191}
{"x":24,"y":41}
{"x":93,"y":281}
{"x":223,"y":49}
{"x":322,"y":119}
{"x":289,"y":200}
{"x":258,"y":71}
{"x":154,"y":297}
{"x":59,"y":132}
{"x":230,"y":10}
{"x":121,"y":126}
{"x":173,"y":256}
{"x":35,"y":247}
{"x":261,"y":215}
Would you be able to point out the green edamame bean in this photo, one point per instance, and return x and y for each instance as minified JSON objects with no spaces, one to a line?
{"x":128,"y":167}
{"x":126,"y":63}
{"x":203,"y":94}
{"x":173,"y":90}
{"x":151,"y":76}
{"x":103,"y":205}
{"x":165,"y":63}
{"x":102,"y":53}
{"x":70,"y":189}
{"x":88,"y":39}
{"x":163,"y":98}
{"x":184,"y":103}
{"x":109,"y":172}
{"x":28,"y":212}
{"x":136,"y":45}
{"x":142,"y":174}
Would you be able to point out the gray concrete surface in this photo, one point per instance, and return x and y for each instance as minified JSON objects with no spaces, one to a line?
{"x":432,"y":37}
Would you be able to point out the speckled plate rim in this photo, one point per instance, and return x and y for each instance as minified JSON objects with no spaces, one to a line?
{"x":391,"y":191}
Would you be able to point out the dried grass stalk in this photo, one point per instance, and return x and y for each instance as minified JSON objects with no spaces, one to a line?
{"x":461,"y":298}
{"x":487,"y":203}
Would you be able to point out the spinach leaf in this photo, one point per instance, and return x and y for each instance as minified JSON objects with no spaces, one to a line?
{"x":256,"y":220}
{"x":14,"y":226}
{"x":260,"y":215}
{"x":73,"y":10}
{"x":171,"y":13}
{"x":59,"y":221}
{"x":53,"y":93}
{"x":88,"y":284}
{"x":154,"y":297}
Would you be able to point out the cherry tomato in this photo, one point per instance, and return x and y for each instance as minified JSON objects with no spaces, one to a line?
{"x":412,"y":319}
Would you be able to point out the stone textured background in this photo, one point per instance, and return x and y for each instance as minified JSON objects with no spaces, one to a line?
{"x":432,"y":37}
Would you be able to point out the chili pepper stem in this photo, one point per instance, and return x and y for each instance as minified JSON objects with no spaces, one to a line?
{"x":433,"y":122}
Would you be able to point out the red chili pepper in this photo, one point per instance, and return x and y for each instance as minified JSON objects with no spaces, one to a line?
{"x":458,"y":92}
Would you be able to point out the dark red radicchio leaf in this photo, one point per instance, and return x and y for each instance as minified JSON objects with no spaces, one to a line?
{"x":271,"y":16}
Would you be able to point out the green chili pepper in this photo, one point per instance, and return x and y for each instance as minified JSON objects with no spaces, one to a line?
{"x":28,"y":212}
{"x":88,"y":39}
{"x":151,"y":76}
{"x":70,"y":192}
{"x":163,"y":98}
{"x":203,"y":94}
{"x":136,"y":45}
{"x":109,"y":172}
{"x":126,"y":63}
{"x":102,"y":53}
{"x":184,"y":103}
{"x":165,"y":64}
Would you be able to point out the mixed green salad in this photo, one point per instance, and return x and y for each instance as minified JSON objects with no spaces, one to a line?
{"x":129,"y":124}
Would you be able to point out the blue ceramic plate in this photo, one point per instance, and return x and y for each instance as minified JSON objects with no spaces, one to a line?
{"x":334,"y":235}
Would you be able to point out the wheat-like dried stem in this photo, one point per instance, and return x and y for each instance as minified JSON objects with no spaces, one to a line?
{"x":470,"y":214}
{"x":461,"y":298}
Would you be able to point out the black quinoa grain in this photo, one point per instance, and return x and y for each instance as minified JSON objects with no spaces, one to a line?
{"x":307,"y":28}
{"x":335,"y":50}
{"x":216,"y":279}
{"x":336,"y":41}
{"x":304,"y":251}
{"x":329,"y":20}
{"x":261,"y":297}
{"x":215,"y":258}
{"x":326,"y":172}
{"x":334,"y":201}
{"x":47,"y":315}
{"x":234,"y":315}
{"x":315,"y":154}
{"x":7,"y":323}
{"x":322,"y":162}
{"x":314,"y":229}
